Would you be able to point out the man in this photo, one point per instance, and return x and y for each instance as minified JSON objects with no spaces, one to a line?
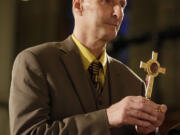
{"x":54,"y":89}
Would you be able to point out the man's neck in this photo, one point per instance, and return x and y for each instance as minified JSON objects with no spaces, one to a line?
{"x":94,"y":45}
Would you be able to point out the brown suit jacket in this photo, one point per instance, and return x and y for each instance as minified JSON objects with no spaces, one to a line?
{"x":50,"y":93}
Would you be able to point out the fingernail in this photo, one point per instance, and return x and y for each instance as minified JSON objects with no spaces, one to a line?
{"x":163,"y":108}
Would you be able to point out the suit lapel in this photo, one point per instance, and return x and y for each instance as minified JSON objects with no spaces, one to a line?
{"x":123,"y":81}
{"x":116,"y":81}
{"x":74,"y":67}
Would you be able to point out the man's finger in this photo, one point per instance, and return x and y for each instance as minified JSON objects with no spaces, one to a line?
{"x":142,"y":115}
{"x":145,"y":130}
{"x":138,"y":122}
{"x":148,"y":106}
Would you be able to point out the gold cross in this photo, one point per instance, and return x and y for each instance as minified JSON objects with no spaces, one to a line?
{"x":153,"y":68}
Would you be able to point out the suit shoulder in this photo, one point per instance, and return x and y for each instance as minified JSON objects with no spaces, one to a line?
{"x":43,"y":51}
{"x":44,"y":48}
{"x":122,"y":68}
{"x":40,"y":53}
{"x":49,"y":48}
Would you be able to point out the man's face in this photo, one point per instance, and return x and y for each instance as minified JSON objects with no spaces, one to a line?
{"x":103,"y":17}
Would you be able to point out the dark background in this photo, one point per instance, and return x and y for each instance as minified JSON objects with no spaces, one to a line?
{"x":148,"y":25}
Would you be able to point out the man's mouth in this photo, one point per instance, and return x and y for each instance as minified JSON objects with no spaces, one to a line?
{"x":114,"y":24}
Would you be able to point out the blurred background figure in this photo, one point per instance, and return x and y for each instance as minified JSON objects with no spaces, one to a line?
{"x":148,"y":25}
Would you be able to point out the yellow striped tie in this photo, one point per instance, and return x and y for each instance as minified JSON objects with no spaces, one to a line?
{"x":94,"y":70}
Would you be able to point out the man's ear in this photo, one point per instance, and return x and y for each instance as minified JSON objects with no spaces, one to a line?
{"x":77,"y":5}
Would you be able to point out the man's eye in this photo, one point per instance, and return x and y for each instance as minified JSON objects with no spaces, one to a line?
{"x":123,"y":5}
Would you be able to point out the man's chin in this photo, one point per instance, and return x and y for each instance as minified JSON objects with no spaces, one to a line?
{"x":110,"y":36}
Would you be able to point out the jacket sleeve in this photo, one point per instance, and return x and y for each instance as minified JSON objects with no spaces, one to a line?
{"x":29,"y":105}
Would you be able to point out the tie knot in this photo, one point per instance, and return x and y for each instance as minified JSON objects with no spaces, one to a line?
{"x":95,"y":67}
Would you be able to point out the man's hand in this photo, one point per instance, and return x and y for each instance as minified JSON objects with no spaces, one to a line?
{"x":139,"y":111}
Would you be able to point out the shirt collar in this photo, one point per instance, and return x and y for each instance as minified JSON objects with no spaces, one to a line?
{"x":88,"y":57}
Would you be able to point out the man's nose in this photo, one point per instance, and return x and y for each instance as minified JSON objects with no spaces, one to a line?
{"x":118,"y":12}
